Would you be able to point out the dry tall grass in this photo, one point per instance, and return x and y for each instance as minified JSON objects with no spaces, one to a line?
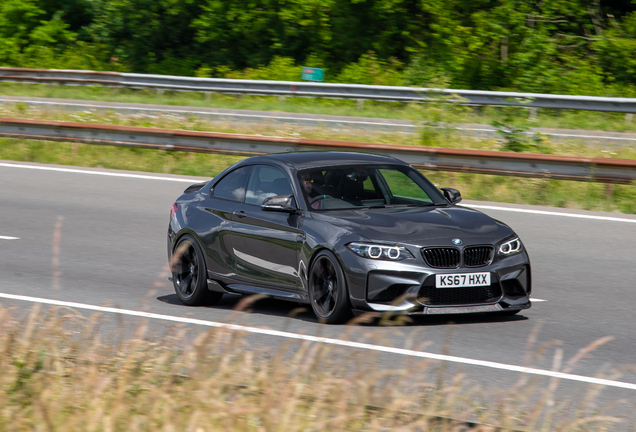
{"x":62,"y":371}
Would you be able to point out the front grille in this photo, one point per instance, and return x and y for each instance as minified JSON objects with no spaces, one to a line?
{"x":441,"y":257}
{"x":429,"y":295}
{"x":478,"y":256}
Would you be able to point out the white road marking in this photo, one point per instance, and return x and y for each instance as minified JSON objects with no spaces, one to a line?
{"x":9,"y":238}
{"x":102,"y":173}
{"x":330,"y":341}
{"x":543,"y":212}
{"x":260,"y":117}
{"x":183,"y":180}
{"x":556,"y":134}
{"x":212,"y":113}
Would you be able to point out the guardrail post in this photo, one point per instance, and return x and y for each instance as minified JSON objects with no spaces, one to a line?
{"x":281,"y":100}
{"x":159,"y":92}
{"x":360,"y":104}
{"x":208,"y":96}
{"x":629,"y":117}
{"x":532,"y":113}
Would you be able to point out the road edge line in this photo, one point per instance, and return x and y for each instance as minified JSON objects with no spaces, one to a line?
{"x":331,"y":341}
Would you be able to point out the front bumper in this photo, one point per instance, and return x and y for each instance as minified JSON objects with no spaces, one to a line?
{"x":408,"y":286}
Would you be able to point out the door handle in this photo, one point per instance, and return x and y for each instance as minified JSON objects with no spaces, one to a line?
{"x":240,"y":214}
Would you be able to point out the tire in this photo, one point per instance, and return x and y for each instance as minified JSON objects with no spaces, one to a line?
{"x":328,"y":293}
{"x":189,"y":274}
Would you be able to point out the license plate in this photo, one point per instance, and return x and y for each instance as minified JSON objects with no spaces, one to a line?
{"x":458,"y":280}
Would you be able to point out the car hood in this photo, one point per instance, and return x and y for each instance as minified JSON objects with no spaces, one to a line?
{"x":419,"y":226}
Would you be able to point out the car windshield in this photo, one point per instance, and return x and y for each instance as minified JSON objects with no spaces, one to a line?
{"x":367,"y":186}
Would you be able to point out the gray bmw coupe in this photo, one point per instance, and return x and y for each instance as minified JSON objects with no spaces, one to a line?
{"x":344,"y":232}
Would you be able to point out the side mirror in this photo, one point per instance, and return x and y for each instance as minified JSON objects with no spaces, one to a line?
{"x":280,"y":203}
{"x":452,"y":195}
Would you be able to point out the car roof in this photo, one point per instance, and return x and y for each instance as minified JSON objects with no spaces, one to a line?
{"x":303,"y":160}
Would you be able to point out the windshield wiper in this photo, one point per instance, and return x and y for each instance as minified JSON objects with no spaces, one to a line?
{"x":402,"y":205}
{"x":388,"y":206}
{"x":432,"y":204}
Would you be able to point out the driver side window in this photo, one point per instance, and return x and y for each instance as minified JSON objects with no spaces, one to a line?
{"x":266,"y":181}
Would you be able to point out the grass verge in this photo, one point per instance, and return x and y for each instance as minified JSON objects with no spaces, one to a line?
{"x":548,"y":118}
{"x":61,"y":371}
{"x":429,"y":136}
{"x":547,"y":192}
{"x":554,"y":193}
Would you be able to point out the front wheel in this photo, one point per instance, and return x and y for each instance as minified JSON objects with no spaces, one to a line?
{"x":189,"y":274}
{"x":328,"y":292}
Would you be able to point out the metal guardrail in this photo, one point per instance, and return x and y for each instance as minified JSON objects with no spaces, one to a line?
{"x":443,"y":159}
{"x":318,"y":90}
{"x":308,"y":120}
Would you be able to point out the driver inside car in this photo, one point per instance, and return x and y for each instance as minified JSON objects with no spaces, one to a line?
{"x":311,"y":186}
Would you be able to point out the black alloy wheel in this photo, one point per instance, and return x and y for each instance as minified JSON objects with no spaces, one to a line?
{"x":328,"y":290}
{"x":189,"y":274}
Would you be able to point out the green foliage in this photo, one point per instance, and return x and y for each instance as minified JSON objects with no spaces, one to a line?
{"x":519,"y":139}
{"x":371,"y":70}
{"x":24,"y":35}
{"x":279,"y":69}
{"x":560,"y":46}
{"x":437,"y":116}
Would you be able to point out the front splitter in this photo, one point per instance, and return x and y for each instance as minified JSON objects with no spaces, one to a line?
{"x":460,"y":309}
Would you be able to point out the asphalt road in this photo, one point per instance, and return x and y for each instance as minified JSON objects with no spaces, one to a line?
{"x":113,"y":251}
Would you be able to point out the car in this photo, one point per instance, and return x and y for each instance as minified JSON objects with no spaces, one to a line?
{"x":346,"y":233}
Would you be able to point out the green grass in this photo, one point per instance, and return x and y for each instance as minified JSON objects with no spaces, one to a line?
{"x":566,"y":194}
{"x":569,"y":119}
{"x":555,"y":193}
{"x":437,"y":137}
{"x":98,"y":156}
{"x":544,"y":192}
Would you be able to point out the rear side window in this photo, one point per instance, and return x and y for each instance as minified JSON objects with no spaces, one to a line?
{"x":266,"y":181}
{"x":232,"y":186}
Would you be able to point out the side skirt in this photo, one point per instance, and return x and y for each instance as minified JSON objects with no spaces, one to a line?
{"x":283,"y":295}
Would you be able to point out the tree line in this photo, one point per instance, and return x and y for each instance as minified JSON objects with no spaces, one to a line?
{"x":558,"y":46}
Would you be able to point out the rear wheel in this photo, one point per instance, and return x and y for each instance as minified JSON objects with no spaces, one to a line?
{"x":189,"y":274}
{"x":328,"y":292}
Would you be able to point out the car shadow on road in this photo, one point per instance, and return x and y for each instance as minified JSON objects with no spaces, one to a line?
{"x":460,"y":319}
{"x":303,"y":312}
{"x":263,"y":306}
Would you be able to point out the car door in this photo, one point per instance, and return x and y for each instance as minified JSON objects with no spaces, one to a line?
{"x":216,"y":225}
{"x":266,"y":243}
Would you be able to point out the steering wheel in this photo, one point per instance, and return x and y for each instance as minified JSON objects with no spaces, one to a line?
{"x":318,"y":198}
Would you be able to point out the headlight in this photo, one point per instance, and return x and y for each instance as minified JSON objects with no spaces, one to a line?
{"x":510,"y":247}
{"x":373,"y":251}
